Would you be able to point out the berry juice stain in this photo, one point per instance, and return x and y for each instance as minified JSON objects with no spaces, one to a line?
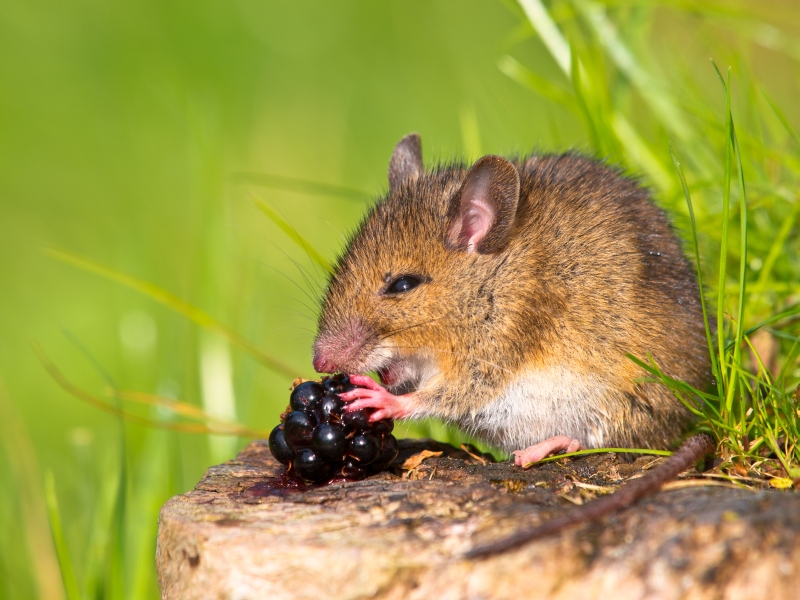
{"x":282,"y":485}
{"x":285,"y":484}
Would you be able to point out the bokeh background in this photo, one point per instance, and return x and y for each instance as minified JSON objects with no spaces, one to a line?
{"x":142,"y":135}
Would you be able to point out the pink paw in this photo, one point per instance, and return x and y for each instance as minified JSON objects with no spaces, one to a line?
{"x":372,"y":395}
{"x":533,"y":454}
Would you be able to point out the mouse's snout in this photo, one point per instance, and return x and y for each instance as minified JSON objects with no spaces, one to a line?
{"x":322,"y":364}
{"x":344,"y":348}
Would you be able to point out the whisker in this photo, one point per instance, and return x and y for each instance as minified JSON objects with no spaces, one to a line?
{"x":315,"y":289}
{"x":401,"y":330}
{"x":469,"y":356}
{"x":282,"y":327}
{"x":297,"y":311}
{"x":314,"y":300}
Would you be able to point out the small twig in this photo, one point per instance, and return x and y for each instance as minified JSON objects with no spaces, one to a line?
{"x":594,"y":488}
{"x":693,"y":449}
{"x":577,"y":501}
{"x":466,"y":448}
{"x":725,"y":477}
{"x":687,"y":483}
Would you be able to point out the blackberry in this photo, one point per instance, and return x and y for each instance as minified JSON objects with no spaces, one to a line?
{"x":306,"y":396}
{"x":329,"y":442}
{"x":357,"y":419}
{"x":278,"y":446}
{"x":298,"y":428}
{"x":383,"y":426}
{"x":335,"y":386}
{"x":389,"y":451}
{"x":311,"y":467}
{"x":318,"y":439}
{"x":365,"y":447}
{"x":352,"y":470}
{"x":330,"y":408}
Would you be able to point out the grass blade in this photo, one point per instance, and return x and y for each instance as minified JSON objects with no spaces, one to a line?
{"x":781,"y":315}
{"x":728,"y":383}
{"x":26,"y":478}
{"x":290,"y":231}
{"x":658,"y":99}
{"x":295,"y":184}
{"x":536,"y":83}
{"x":470,"y":132}
{"x":653,"y":368}
{"x":216,"y":426}
{"x":641,"y":153}
{"x":591,"y":126}
{"x":782,"y":118}
{"x":62,"y":552}
{"x":601,"y":451}
{"x":549,"y":33}
{"x":191,"y":312}
{"x":737,"y":351}
{"x":115,"y":562}
{"x":709,"y":339}
{"x":777,"y":245}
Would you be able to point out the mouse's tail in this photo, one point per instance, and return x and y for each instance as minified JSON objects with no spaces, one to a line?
{"x":689,"y":453}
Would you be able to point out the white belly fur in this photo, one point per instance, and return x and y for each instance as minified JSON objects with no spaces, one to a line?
{"x":542,"y":404}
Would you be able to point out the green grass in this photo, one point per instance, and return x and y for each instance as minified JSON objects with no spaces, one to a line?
{"x":202,"y":164}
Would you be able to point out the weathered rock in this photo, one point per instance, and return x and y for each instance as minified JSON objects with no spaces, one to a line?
{"x":240,"y":535}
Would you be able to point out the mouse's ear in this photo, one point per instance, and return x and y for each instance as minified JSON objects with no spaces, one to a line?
{"x":406,"y":162}
{"x":482,"y":212}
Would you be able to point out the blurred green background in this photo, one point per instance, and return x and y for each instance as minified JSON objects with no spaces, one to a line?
{"x":139,"y":135}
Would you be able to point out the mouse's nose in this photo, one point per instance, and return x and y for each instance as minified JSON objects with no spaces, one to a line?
{"x":341,"y":347}
{"x":322,"y":364}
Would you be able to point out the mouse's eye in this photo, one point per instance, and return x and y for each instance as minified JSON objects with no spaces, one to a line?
{"x":403,"y":284}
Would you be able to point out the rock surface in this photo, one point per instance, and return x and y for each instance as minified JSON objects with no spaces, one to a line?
{"x":241,"y":534}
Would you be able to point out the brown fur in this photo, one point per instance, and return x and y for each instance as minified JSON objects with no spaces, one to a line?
{"x":591,"y":271}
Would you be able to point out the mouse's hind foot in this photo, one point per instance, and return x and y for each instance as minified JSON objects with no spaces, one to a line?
{"x":533,"y":454}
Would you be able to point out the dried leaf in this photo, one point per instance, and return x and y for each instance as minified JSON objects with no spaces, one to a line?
{"x":740,"y":470}
{"x":414,"y":461}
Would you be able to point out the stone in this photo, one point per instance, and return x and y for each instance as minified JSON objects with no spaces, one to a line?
{"x":242,"y":534}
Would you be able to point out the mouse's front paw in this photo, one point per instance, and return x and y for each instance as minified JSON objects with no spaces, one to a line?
{"x":371,"y":395}
{"x":533,"y":454}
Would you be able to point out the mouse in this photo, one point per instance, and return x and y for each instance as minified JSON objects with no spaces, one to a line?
{"x":505,"y":296}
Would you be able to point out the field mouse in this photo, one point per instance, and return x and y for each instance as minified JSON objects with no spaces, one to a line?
{"x":505,"y":296}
